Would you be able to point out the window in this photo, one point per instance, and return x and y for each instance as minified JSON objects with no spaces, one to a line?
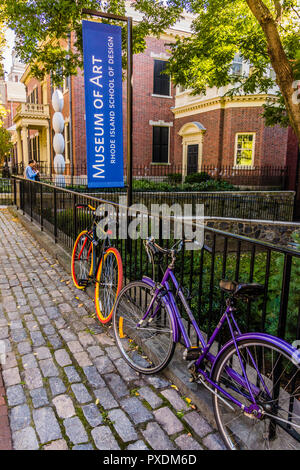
{"x":33,"y":96}
{"x":161,"y":80}
{"x":67,"y":141}
{"x":244,"y":149}
{"x":237,"y":65}
{"x":34,"y":149}
{"x":160,"y":150}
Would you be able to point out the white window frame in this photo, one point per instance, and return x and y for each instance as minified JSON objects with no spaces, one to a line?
{"x":237,"y":165}
{"x":162,"y":124}
{"x":67,"y":156}
{"x":155,"y":95}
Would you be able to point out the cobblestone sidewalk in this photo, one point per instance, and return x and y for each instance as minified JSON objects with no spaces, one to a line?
{"x":66,"y":385}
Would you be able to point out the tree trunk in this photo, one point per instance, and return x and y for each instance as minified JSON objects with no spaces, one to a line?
{"x":280,"y":63}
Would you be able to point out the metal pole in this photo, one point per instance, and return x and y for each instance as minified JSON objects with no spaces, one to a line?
{"x":129,"y":111}
{"x":71,"y":119}
{"x":129,"y":90}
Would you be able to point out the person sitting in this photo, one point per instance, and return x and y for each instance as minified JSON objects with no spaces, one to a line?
{"x":31,"y":172}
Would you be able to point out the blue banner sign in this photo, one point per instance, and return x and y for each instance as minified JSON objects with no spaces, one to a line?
{"x":102,"y":59}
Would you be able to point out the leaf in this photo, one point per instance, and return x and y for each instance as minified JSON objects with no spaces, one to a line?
{"x":97,"y":401}
{"x":174,"y":386}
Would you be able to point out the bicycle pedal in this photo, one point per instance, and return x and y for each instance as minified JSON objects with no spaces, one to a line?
{"x":191,"y":354}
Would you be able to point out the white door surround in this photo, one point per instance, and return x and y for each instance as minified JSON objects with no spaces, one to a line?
{"x":192,"y":133}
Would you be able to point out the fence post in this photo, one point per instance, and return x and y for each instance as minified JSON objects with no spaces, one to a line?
{"x":30,"y":191}
{"x":55,"y":215}
{"x":74,"y":217}
{"x":15,"y":192}
{"x":41,"y":207}
{"x":284,"y":298}
{"x":22,"y":196}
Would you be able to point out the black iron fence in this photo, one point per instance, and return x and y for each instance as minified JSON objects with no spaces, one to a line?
{"x":259,"y":176}
{"x":223,"y":256}
{"x":259,"y":205}
{"x":5,"y":191}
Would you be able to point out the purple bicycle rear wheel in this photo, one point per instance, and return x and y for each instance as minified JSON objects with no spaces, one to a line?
{"x":274,"y":378}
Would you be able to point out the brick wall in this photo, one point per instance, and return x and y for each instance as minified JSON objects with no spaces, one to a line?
{"x":273,"y":145}
{"x":145,"y":108}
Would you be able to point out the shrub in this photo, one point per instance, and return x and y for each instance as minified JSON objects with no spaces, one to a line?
{"x":209,"y":185}
{"x":175,"y":178}
{"x":197,"y":177}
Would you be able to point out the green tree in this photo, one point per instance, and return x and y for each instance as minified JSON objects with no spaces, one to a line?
{"x":266,"y":36}
{"x":42,"y":29}
{"x":5,"y":144}
{"x":264,"y":32}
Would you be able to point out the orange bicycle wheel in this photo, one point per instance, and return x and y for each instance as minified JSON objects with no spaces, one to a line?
{"x":82,"y":260}
{"x":109,"y":280}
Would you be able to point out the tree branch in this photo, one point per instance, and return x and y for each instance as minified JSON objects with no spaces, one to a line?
{"x":278,"y":9}
{"x":296,"y":11}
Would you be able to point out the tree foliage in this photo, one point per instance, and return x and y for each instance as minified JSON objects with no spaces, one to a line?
{"x":224,"y":28}
{"x":264,"y":32}
{"x":42,"y":31}
{"x":5,"y":144}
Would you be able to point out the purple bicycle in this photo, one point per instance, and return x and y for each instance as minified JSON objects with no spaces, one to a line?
{"x":254,"y":378}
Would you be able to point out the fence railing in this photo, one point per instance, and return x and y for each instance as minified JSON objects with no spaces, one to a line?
{"x":259,"y":176}
{"x":223,"y":256}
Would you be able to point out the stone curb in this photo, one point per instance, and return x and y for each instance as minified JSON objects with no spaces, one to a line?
{"x":176,"y":371}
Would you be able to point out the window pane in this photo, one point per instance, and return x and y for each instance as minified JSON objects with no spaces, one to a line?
{"x":161,"y":81}
{"x":244,"y":149}
{"x":160,"y":151}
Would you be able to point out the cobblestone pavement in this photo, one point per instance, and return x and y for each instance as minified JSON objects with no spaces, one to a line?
{"x":66,"y":385}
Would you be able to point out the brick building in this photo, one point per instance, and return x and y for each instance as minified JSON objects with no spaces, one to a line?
{"x":219,"y":131}
{"x":12,"y":94}
{"x":173,"y":131}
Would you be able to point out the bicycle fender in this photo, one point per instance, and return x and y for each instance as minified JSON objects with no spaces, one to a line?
{"x":176,"y":331}
{"x":286,"y":347}
{"x":148,"y":280}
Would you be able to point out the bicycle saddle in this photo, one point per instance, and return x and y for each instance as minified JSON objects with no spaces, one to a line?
{"x":241,"y":289}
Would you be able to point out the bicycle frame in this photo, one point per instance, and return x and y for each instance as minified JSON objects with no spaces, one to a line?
{"x":95,"y":241}
{"x":164,"y":289}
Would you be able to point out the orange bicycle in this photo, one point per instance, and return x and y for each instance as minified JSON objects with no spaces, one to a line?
{"x":94,"y":260}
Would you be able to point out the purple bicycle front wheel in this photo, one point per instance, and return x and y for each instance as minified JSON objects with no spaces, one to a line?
{"x":145,"y":342}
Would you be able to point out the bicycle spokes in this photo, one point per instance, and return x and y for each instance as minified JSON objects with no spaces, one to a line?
{"x":273,"y":421}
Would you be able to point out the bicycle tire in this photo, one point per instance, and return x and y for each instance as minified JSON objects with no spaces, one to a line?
{"x":147,"y":349}
{"x":82,"y":256}
{"x":109,"y":280}
{"x":241,"y":431}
